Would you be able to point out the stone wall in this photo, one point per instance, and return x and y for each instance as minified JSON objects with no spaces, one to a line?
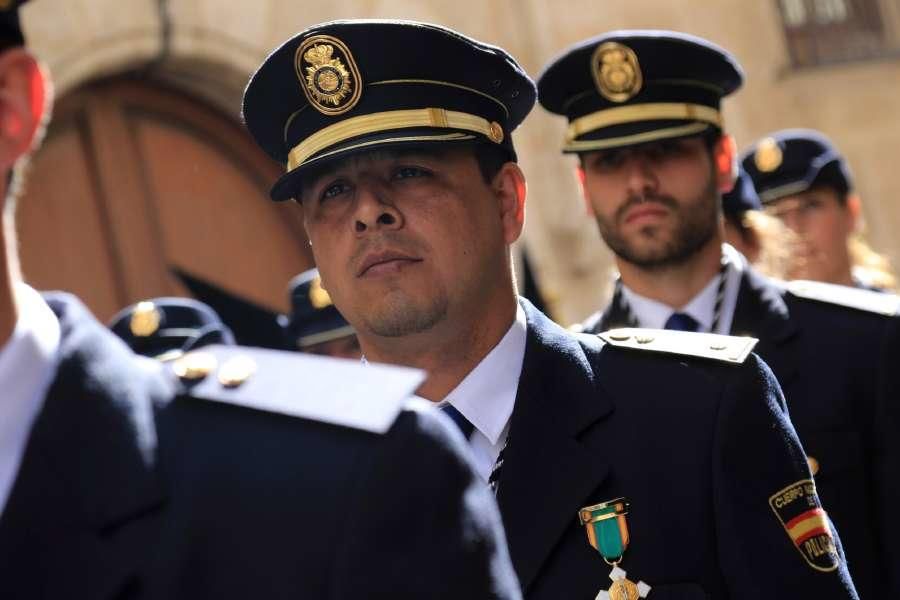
{"x":209,"y":47}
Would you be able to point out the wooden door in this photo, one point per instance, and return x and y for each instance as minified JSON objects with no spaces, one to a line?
{"x":133,"y":180}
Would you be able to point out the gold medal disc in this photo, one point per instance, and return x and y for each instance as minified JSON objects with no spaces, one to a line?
{"x":623,"y":589}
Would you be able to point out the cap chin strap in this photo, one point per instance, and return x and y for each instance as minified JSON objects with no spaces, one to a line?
{"x":637,"y":138}
{"x":651,"y":111}
{"x":353,"y":127}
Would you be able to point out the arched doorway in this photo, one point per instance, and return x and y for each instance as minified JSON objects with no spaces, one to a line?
{"x":133,"y":180}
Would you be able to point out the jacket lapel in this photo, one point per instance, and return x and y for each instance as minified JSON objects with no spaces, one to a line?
{"x":87,"y":471}
{"x":762,"y":313}
{"x":547,"y":472}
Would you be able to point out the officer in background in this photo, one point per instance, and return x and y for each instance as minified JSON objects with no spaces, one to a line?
{"x":116,"y":480}
{"x":168,"y":328}
{"x":803,"y":180}
{"x":315,"y":325}
{"x":644,"y":119}
{"x":764,"y":241}
{"x":624,"y":465}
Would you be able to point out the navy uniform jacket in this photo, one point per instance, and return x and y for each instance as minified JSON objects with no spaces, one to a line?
{"x":698,"y":446}
{"x":839,"y":368}
{"x":239,"y":503}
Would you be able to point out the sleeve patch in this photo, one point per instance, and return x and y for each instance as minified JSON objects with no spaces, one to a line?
{"x":800,"y":512}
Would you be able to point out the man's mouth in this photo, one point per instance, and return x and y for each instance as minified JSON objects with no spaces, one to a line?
{"x":380,"y":263}
{"x":644,"y":211}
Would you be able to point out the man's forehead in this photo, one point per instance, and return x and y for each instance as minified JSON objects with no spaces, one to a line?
{"x":376,"y":156}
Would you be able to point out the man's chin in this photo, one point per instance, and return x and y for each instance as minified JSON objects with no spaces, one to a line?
{"x":647,"y":255}
{"x":397,"y":314}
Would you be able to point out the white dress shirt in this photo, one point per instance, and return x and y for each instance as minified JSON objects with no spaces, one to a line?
{"x":487,"y":395}
{"x":28,"y":364}
{"x":652,"y":314}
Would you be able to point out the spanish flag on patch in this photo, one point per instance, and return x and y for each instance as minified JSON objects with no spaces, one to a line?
{"x":798,"y":508}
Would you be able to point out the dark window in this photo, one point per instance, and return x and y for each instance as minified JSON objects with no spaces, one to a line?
{"x":829,"y":31}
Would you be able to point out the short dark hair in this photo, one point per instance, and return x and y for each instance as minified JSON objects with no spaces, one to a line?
{"x":491,"y":159}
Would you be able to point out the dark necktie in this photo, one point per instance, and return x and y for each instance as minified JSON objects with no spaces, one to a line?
{"x":457,"y":417}
{"x":682,"y":322}
{"x":494,"y":478}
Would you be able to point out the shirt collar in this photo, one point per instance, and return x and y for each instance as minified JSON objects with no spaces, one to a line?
{"x":31,"y":350}
{"x":487,"y":395}
{"x":28,"y":363}
{"x":653,"y":314}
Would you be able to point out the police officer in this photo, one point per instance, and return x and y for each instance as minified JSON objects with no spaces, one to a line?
{"x":765,"y":241}
{"x":806,"y":182}
{"x":116,"y":481}
{"x":623,"y":464}
{"x":315,"y":325}
{"x":645,"y":122}
{"x":168,"y":328}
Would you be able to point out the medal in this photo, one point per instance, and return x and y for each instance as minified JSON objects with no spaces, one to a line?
{"x":607,"y":532}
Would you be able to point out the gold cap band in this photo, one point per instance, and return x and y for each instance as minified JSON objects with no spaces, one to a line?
{"x":656,"y":111}
{"x":637,"y":138}
{"x":385,"y":121}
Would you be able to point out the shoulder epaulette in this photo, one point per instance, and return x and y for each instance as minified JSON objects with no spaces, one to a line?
{"x":725,"y":348}
{"x":340,"y":392}
{"x":850,"y":297}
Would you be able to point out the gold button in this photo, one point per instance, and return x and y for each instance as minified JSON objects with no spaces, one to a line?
{"x":495,"y":132}
{"x":236,"y":371}
{"x":644,"y":339}
{"x":768,"y":155}
{"x":813,"y":464}
{"x":194,"y":365}
{"x":718,"y":346}
{"x":619,"y":336}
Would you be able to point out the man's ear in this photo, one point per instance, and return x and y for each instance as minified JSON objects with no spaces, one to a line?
{"x":582,"y":182}
{"x":725,"y":159}
{"x":23,"y":99}
{"x":854,"y":210}
{"x":510,"y":190}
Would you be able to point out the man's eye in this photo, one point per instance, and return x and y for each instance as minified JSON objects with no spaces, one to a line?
{"x":334,"y":190}
{"x":810,"y":204}
{"x":409,"y":172}
{"x":663,"y":149}
{"x":607,"y":160}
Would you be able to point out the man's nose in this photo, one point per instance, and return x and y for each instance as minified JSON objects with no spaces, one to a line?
{"x":641,"y":178}
{"x":375,"y":208}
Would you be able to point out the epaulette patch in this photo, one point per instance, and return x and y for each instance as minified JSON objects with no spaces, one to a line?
{"x":867,"y":300}
{"x":340,"y":392}
{"x":800,"y":512}
{"x":725,"y":348}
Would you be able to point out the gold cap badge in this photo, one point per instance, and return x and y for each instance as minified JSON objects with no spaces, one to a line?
{"x":318,"y":296}
{"x":329,"y":75}
{"x":145,"y":319}
{"x":768,"y":155}
{"x":616,"y":71}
